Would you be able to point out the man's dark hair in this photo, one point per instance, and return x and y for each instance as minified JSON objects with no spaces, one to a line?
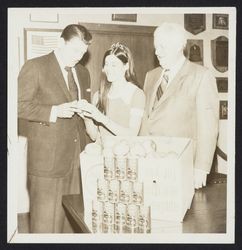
{"x":76,"y":30}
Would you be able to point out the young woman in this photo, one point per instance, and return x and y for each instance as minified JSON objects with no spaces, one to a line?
{"x":118,"y":106}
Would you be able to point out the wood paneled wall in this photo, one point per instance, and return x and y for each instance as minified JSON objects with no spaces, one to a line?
{"x":139,"y":39}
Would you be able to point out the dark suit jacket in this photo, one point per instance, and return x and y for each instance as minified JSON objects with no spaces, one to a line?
{"x":51,"y":146}
{"x":188,"y":108}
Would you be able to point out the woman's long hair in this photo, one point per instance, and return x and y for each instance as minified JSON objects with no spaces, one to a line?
{"x":124,"y":54}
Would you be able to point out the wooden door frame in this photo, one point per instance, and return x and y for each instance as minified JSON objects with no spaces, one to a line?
{"x":103,"y":28}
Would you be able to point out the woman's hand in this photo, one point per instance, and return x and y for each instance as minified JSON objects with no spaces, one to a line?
{"x":90,"y":111}
{"x":79,"y":108}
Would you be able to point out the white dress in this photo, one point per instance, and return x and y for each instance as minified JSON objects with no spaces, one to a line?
{"x":124,"y":102}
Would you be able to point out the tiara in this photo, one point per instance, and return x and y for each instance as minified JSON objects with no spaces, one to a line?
{"x":118,"y":46}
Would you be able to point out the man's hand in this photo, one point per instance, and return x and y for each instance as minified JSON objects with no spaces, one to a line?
{"x":200,"y":178}
{"x":66,"y":110}
{"x":79,"y":108}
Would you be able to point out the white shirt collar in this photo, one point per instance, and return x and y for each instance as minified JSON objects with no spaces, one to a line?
{"x":175,"y":68}
{"x":64,"y":72}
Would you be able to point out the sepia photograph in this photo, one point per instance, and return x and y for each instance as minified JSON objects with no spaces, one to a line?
{"x":119,"y":129}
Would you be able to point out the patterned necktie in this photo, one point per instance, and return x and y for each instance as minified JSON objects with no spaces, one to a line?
{"x":71,"y":83}
{"x":162,"y":86}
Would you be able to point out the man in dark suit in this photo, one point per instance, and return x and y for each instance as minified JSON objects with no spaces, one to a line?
{"x":48,"y":90}
{"x":182,"y":99}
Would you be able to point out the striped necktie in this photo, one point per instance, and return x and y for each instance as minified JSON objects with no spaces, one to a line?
{"x":71,"y":83}
{"x":163,"y":84}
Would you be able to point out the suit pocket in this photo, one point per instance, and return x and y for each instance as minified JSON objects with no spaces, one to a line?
{"x":41,"y":149}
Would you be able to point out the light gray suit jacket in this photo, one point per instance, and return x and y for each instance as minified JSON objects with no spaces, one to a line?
{"x":188,"y":108}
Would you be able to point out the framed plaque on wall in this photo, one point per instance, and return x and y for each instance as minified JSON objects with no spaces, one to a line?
{"x":124,"y":17}
{"x":38,"y":42}
{"x":219,"y":53}
{"x":222,"y":84}
{"x":194,"y":51}
{"x":195,"y":23}
{"x":223,"y":110}
{"x":220,"y":21}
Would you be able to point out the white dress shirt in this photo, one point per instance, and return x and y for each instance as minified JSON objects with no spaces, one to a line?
{"x":53,"y":114}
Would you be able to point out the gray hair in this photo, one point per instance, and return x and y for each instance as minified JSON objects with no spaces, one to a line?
{"x":175,"y":33}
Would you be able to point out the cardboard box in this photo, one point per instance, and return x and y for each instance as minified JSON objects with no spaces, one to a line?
{"x":168,"y":180}
{"x":167,"y":176}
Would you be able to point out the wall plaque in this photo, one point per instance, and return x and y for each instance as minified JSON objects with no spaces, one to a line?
{"x":223,"y":110}
{"x":220,"y":21}
{"x":219,"y":53}
{"x":222,"y":84}
{"x":195,"y":23}
{"x":194,"y":51}
{"x":124,"y":17}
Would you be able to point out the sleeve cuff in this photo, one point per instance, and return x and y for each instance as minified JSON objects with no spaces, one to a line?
{"x":53,"y":114}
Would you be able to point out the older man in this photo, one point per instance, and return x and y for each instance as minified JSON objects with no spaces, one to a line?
{"x":48,"y":89}
{"x":182,"y":99}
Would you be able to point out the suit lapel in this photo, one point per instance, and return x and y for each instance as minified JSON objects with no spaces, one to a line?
{"x":55,"y":67}
{"x":175,"y":83}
